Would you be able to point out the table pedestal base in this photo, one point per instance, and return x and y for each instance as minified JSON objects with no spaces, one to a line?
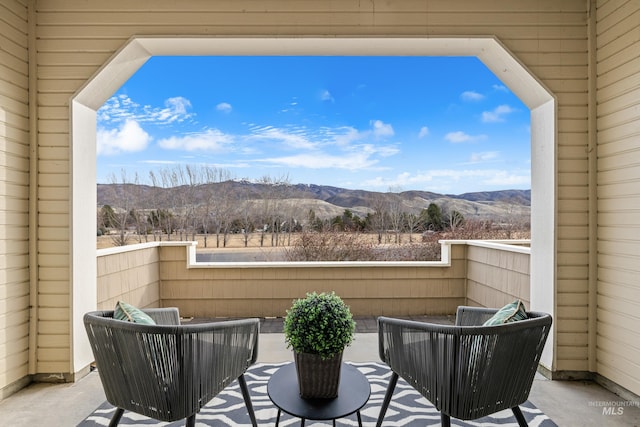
{"x":353,"y":394}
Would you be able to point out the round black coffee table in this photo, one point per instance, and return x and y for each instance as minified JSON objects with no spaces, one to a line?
{"x":353,"y":393}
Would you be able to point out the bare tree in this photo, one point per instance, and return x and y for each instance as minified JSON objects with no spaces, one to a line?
{"x":183,"y":181}
{"x":274,"y":191}
{"x":193,"y":183}
{"x":456,"y":220}
{"x":378,"y":219}
{"x":412,"y":222}
{"x":161,"y":219}
{"x":124,"y":205}
{"x":216,"y":202}
{"x":227,"y":208}
{"x":514,"y":220}
{"x":395,"y":212}
{"x":246,"y":219}
{"x":137,"y":214}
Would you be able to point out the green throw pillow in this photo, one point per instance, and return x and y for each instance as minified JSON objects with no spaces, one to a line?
{"x":509,"y":313}
{"x":127,"y":312}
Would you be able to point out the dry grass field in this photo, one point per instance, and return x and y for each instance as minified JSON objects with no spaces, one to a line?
{"x":234,"y":241}
{"x":327,"y":246}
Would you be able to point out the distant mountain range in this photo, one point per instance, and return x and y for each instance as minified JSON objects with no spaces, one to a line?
{"x":328,"y":201}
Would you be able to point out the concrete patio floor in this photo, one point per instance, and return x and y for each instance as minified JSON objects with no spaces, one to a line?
{"x":567,"y":403}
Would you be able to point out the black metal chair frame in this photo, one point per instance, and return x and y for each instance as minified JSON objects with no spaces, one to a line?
{"x":169,"y":371}
{"x":466,"y":371}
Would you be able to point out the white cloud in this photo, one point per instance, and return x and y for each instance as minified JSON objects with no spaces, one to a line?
{"x":160,"y":162}
{"x":175,"y":111}
{"x":380,"y":150}
{"x":500,"y":88}
{"x":497,"y":115}
{"x":293,"y":138}
{"x":356,"y":157}
{"x":236,"y":165}
{"x":325,"y":95}
{"x":445,"y":179}
{"x":224,"y":107}
{"x":381,"y":129}
{"x":471,"y":96}
{"x":210,"y":140}
{"x":128,"y":138}
{"x":508,"y":179}
{"x":350,"y":161}
{"x":177,"y":105}
{"x":459,"y":137}
{"x":344,"y":136}
{"x":116,"y":109}
{"x":484,"y":157}
{"x":301,"y":138}
{"x":121,"y":108}
{"x":424,"y":132}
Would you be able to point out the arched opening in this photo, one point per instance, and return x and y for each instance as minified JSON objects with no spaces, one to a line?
{"x":138,"y":50}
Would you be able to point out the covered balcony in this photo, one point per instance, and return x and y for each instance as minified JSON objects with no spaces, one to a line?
{"x":575,"y":64}
{"x":478,"y":273}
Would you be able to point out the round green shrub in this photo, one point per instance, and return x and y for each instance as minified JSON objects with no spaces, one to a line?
{"x":320,"y":324}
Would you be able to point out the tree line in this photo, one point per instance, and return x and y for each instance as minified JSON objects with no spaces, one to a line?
{"x":193,"y":207}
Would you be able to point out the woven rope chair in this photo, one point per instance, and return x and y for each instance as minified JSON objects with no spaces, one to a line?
{"x":169,"y":371}
{"x":466,"y":371}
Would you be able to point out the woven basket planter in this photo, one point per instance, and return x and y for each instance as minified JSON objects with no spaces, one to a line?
{"x":317,"y":378}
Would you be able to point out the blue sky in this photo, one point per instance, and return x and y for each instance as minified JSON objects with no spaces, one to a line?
{"x":441,"y":124}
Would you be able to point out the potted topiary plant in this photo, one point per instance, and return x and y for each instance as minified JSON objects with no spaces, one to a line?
{"x":318,"y":328}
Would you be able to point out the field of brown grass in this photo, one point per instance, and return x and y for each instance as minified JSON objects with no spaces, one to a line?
{"x":234,"y":241}
{"x":327,"y":246}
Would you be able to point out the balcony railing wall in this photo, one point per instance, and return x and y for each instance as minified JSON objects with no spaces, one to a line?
{"x":498,"y":273}
{"x":166,"y":274}
{"x":129,"y":273}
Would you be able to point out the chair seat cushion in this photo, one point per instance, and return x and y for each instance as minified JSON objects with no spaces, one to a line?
{"x":129,"y":313}
{"x":509,"y":313}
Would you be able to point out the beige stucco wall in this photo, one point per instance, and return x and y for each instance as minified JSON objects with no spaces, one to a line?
{"x":618,"y":173}
{"x":73,"y":39}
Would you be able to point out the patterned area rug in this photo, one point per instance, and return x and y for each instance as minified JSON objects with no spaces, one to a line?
{"x":407,"y":408}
